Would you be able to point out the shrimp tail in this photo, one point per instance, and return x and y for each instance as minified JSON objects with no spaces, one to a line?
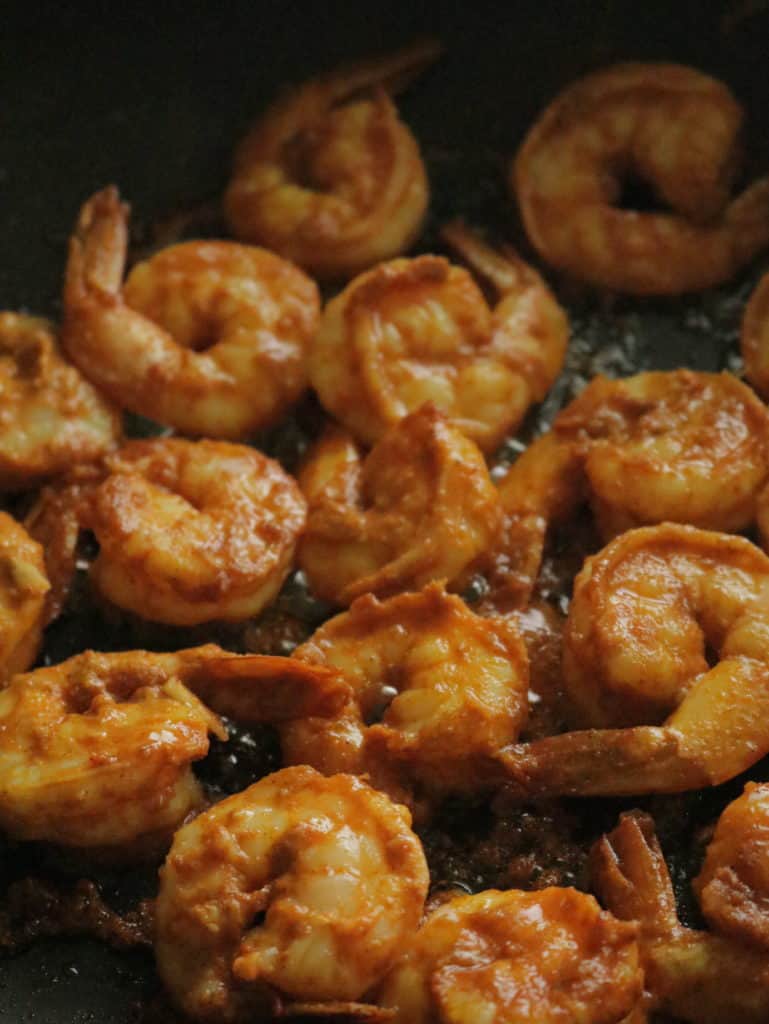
{"x":629,"y":873}
{"x":394,"y":72}
{"x":98,"y":247}
{"x":261,"y":688}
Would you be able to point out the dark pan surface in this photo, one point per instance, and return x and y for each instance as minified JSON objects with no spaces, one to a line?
{"x":93,"y":94}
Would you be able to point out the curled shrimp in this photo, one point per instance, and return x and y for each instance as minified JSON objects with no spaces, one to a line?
{"x":207,"y":337}
{"x":545,"y":957}
{"x":51,"y":417}
{"x":302,"y":886}
{"x":96,"y":751}
{"x":411,"y":331}
{"x":692,"y":975}
{"x":677,"y":446}
{"x":23,"y":589}
{"x":435,"y":692}
{"x":330,"y":177}
{"x":671,"y":126}
{"x":419,"y":507}
{"x":647,"y":612}
{"x":192,"y":531}
{"x":754,"y":339}
{"x":733,"y":885}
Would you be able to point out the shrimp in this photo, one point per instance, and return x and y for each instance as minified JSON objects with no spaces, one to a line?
{"x":23,"y":589}
{"x":733,"y":885}
{"x":436,"y":691}
{"x":692,"y":975}
{"x":763,"y":516}
{"x":646,"y":613}
{"x":210,"y":338}
{"x":51,"y":417}
{"x":754,"y":338}
{"x":677,"y":130}
{"x":96,"y":751}
{"x":192,"y":531}
{"x":411,"y":331}
{"x":330,"y":177}
{"x":548,"y":957}
{"x":677,"y":446}
{"x":420,"y":506}
{"x":301,"y":886}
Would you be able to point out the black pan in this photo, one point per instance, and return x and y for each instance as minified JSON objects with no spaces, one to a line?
{"x":154,"y":100}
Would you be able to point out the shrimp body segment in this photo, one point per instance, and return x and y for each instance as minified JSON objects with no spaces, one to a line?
{"x":24,"y":586}
{"x":207,"y":337}
{"x":646,"y":612}
{"x":733,"y":885}
{"x":52,"y":418}
{"x":436,"y":691}
{"x":330,"y":177}
{"x":412,"y":331}
{"x":754,"y":340}
{"x":419,"y":507}
{"x":96,"y":751}
{"x":192,"y":531}
{"x":301,"y":885}
{"x":548,"y":957}
{"x":674,"y":128}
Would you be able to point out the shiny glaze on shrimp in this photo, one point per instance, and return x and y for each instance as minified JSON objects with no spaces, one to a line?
{"x":302,"y":886}
{"x":207,"y":337}
{"x":191,"y":531}
{"x":676,"y":129}
{"x":411,"y":331}
{"x":754,"y":340}
{"x":419,"y":507}
{"x":24,"y":586}
{"x":733,"y":885}
{"x":96,"y":751}
{"x":51,"y":417}
{"x":645,"y":613}
{"x":436,"y":691}
{"x":330,"y":176}
{"x":548,"y":957}
{"x":692,"y":975}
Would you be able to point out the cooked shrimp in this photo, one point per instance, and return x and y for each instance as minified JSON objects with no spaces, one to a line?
{"x":23,"y":588}
{"x":763,"y":516}
{"x":691,"y":975}
{"x":548,"y":957}
{"x":191,"y":531}
{"x":51,"y":417}
{"x":208,"y":337}
{"x":96,"y":751}
{"x":679,"y":446}
{"x":675,"y":446}
{"x":646,"y":612}
{"x":304,"y":886}
{"x":330,"y":176}
{"x":419,"y":330}
{"x":754,"y":339}
{"x":671,"y":126}
{"x":733,"y":886}
{"x":419,"y":507}
{"x":436,"y":691}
